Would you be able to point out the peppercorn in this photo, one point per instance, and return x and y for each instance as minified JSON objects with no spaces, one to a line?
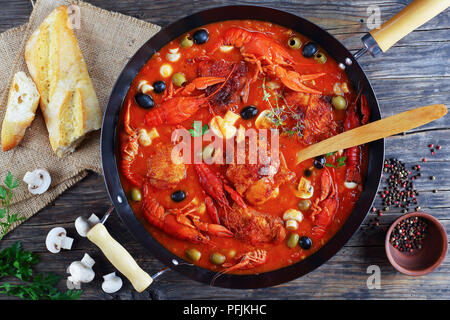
{"x":408,"y":234}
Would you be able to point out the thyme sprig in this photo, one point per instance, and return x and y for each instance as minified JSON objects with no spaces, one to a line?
{"x":280,"y":113}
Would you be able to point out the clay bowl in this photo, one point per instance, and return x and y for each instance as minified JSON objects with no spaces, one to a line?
{"x":422,"y":261}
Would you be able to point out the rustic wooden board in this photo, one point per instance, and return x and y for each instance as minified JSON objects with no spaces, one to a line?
{"x":413,"y":73}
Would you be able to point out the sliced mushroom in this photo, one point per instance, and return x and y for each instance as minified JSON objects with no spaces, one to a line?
{"x":226,"y":49}
{"x":222,"y":128}
{"x":304,"y":190}
{"x":111,"y":283}
{"x":231,"y":117}
{"x":263,"y":121}
{"x":166,"y":70}
{"x":350,"y":185}
{"x":146,"y":137}
{"x":83,"y":225}
{"x":57,"y":239}
{"x":173,"y":55}
{"x":38,"y":181}
{"x":144,"y":87}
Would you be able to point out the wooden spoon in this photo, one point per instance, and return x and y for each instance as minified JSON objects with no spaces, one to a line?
{"x":375,"y":130}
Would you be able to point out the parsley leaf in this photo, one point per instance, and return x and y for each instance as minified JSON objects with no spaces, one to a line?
{"x":6,"y":193}
{"x":340,"y":162}
{"x":198,"y":130}
{"x":330,"y":154}
{"x":16,"y":262}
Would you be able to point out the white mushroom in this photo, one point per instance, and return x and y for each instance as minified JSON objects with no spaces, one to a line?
{"x":38,"y":181}
{"x":226,"y":49}
{"x":57,"y":239}
{"x":83,"y":225}
{"x":291,"y":225}
{"x":144,"y":87}
{"x":81,"y":271}
{"x":173,"y":55}
{"x":350,"y":185}
{"x":165,"y":70}
{"x":112,"y":283}
{"x":293,"y":214}
{"x":263,"y":121}
{"x":224,"y":127}
{"x":304,"y":190}
{"x":146,"y":137}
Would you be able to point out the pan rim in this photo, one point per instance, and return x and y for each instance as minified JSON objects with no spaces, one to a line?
{"x":152,"y":246}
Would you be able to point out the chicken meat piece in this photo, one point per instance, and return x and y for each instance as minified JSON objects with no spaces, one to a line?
{"x":163,"y":171}
{"x":317,"y":114}
{"x":258,"y":183}
{"x":252,"y":226}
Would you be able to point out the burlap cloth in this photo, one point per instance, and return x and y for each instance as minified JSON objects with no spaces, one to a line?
{"x":108,"y":40}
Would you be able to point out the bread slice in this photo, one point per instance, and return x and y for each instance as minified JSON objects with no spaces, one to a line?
{"x":68,"y":100}
{"x":23,"y":101}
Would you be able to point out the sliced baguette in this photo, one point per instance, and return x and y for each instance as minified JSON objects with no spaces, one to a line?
{"x":23,"y":101}
{"x":68,"y":100}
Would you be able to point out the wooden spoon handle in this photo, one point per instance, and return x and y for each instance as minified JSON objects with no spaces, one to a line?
{"x":375,"y":130}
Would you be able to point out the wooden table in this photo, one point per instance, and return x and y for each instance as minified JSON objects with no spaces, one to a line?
{"x":415,"y":72}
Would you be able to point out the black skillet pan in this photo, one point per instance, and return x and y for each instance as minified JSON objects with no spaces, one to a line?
{"x":380,"y":40}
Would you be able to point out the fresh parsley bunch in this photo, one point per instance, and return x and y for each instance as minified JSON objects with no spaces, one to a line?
{"x":17,"y":262}
{"x":7,"y":219}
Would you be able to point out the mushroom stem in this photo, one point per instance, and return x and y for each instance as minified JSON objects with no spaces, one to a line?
{"x":88,"y":261}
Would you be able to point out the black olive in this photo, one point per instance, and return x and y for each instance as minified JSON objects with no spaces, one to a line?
{"x":201,"y":36}
{"x":178,"y":196}
{"x":305,"y":242}
{"x":249,"y":112}
{"x":159,"y":86}
{"x":307,"y":173}
{"x":309,"y":50}
{"x":144,"y":100}
{"x":319,"y":162}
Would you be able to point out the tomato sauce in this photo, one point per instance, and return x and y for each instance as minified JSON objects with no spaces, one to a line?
{"x":278,"y":255}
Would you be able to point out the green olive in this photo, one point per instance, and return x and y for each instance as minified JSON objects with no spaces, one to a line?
{"x":178,"y":79}
{"x":304,"y":205}
{"x":193,"y":254}
{"x":136,"y":194}
{"x":231,"y":253}
{"x":292,"y":240}
{"x":217,"y":258}
{"x":186,"y":42}
{"x":294,"y":43}
{"x":339,"y":103}
{"x":320,"y":57}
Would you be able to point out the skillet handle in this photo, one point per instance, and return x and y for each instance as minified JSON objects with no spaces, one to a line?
{"x":410,"y":18}
{"x":119,"y":257}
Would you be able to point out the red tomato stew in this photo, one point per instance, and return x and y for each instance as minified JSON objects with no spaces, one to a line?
{"x":223,"y":81}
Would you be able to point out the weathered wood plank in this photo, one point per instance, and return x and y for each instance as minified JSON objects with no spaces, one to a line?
{"x":414,"y":72}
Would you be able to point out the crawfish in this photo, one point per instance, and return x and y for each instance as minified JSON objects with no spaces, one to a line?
{"x":248,"y":260}
{"x":268,"y":56}
{"x":353,"y":154}
{"x":180,"y":223}
{"x":246,"y":223}
{"x":214,"y":188}
{"x":176,"y":109}
{"x":323,"y":214}
{"x":130,"y":150}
